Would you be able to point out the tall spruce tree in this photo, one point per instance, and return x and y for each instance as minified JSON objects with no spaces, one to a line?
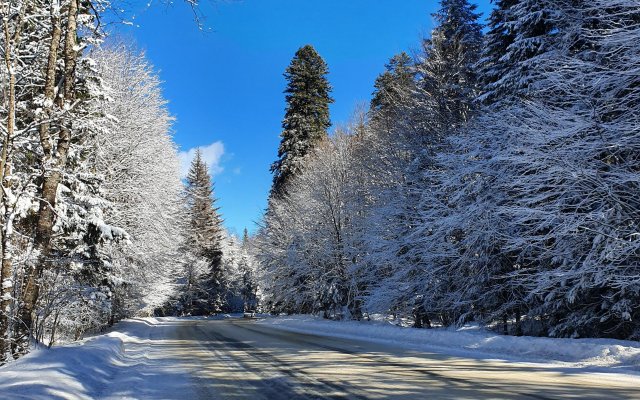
{"x":446,"y":91}
{"x":249,"y":285}
{"x":307,"y":114}
{"x":449,"y":82}
{"x":493,"y":64}
{"x":205,"y":234}
{"x":392,"y":95}
{"x":245,"y":237}
{"x":520,"y":31}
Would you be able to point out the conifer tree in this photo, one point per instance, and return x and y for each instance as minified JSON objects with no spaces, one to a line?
{"x":307,"y":114}
{"x":245,"y":237}
{"x":249,"y":286}
{"x":205,"y":233}
{"x":393,"y":91}
{"x":446,"y":93}
{"x":520,"y":31}
{"x":493,"y":63}
{"x":448,"y":70}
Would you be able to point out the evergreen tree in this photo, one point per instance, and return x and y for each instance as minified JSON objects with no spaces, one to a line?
{"x":245,"y":238}
{"x":392,"y":94}
{"x":205,"y":233}
{"x":520,"y":31}
{"x":447,"y":90}
{"x":307,"y":114}
{"x":493,"y":65}
{"x":448,"y":69}
{"x":249,"y":286}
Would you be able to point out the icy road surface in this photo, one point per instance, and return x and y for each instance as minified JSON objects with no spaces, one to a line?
{"x":234,"y":358}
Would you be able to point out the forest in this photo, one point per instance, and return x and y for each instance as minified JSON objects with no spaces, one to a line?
{"x":97,"y":223}
{"x":493,"y":178}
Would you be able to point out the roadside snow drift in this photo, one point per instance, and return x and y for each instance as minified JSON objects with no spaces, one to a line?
{"x":74,"y":371}
{"x":614,"y":355}
{"x":110,"y":366}
{"x":154,"y":358}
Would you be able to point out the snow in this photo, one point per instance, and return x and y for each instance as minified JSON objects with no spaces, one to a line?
{"x":606,"y":355}
{"x":141,"y":358}
{"x":107,"y":366}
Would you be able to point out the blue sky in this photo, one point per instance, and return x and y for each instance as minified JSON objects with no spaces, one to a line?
{"x":224,"y":83}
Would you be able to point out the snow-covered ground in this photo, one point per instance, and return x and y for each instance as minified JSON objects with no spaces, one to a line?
{"x":197,"y":358}
{"x":104,"y":366}
{"x":593,"y":354}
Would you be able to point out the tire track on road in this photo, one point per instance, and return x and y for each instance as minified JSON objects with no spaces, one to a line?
{"x":284,"y":389}
{"x":388,"y":361}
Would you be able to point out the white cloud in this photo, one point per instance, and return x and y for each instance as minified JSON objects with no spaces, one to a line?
{"x":211,"y":154}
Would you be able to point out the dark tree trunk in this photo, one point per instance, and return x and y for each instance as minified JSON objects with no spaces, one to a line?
{"x":505,"y":325}
{"x":54,"y":160}
{"x":518,"y":323}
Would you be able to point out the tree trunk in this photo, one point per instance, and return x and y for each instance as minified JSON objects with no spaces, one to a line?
{"x":518,"y":323}
{"x":505,"y":324}
{"x":427,"y":321}
{"x":54,"y":160}
{"x":6,"y":269}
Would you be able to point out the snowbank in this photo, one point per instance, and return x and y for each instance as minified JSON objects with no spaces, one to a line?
{"x":76,"y":371}
{"x":609,"y":354}
{"x":85,"y":369}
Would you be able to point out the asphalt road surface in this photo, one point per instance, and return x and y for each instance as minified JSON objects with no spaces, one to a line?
{"x":241,"y":359}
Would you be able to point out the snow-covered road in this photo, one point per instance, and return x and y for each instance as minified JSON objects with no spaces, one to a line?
{"x":236,"y":358}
